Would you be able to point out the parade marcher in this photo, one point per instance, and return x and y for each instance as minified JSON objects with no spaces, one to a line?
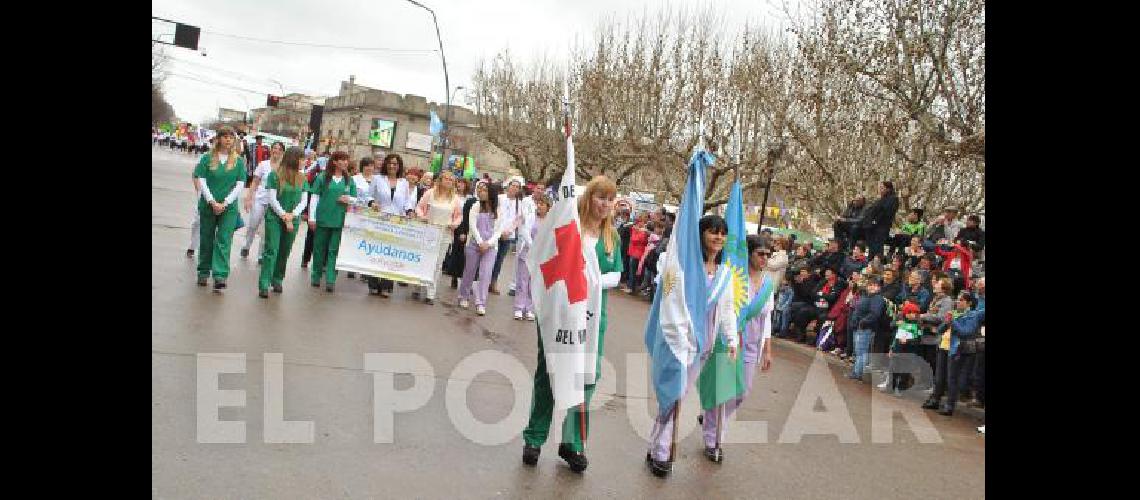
{"x":456,"y":257}
{"x":330,"y":195}
{"x":311,"y":174}
{"x":721,"y":318}
{"x":257,"y":198}
{"x":222,"y":172}
{"x":511,"y":212}
{"x":757,"y":333}
{"x":440,"y":206}
{"x":596,"y":214}
{"x":391,"y":194}
{"x":287,"y":193}
{"x":482,"y":242}
{"x":524,"y":304}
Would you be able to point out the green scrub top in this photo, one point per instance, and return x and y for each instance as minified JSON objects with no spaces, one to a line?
{"x":330,"y":213}
{"x":219,"y":180}
{"x":611,"y":263}
{"x":288,"y":195}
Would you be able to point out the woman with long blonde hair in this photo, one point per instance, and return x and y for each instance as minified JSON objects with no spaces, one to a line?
{"x":440,"y":206}
{"x":596,"y":214}
{"x":287,"y":193}
{"x":220,"y":171}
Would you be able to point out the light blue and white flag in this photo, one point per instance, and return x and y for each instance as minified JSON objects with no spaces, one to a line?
{"x":435,"y":126}
{"x":675,"y":330}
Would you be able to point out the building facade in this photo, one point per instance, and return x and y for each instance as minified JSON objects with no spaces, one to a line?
{"x":364,"y":121}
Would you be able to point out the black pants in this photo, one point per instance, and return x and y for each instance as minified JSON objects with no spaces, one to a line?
{"x":875,"y":241}
{"x":961,"y":366}
{"x":980,"y":377}
{"x":902,"y":365}
{"x":381,"y":284}
{"x":504,"y":247}
{"x":881,"y":342}
{"x":308,"y":253}
{"x":899,"y":242}
{"x":940,"y":371}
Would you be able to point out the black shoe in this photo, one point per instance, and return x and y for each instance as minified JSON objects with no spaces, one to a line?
{"x":947,"y":411}
{"x":190,"y":253}
{"x":259,"y":261}
{"x":316,"y":285}
{"x":351,"y":275}
{"x":201,"y":281}
{"x":930,"y":404}
{"x":244,"y":253}
{"x":511,"y":293}
{"x":530,"y":454}
{"x":416,"y":295}
{"x":701,"y":419}
{"x":276,"y":288}
{"x":429,"y":301}
{"x":263,"y":294}
{"x":330,"y":287}
{"x":304,"y":265}
{"x":454,"y":281}
{"x":714,"y":454}
{"x":577,"y":460}
{"x":219,"y":285}
{"x":659,"y":469}
{"x":373,"y":291}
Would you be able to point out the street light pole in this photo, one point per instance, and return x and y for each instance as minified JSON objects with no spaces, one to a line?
{"x":769,"y":171}
{"x":446,"y":81}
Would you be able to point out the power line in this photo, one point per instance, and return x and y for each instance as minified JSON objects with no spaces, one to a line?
{"x":319,"y":45}
{"x":246,"y":77}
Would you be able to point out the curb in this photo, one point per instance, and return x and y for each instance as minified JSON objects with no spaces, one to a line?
{"x":960,"y":409}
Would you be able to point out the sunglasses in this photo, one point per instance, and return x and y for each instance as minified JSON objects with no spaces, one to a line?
{"x":762,"y":254}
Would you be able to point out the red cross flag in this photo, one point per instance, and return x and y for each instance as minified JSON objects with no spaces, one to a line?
{"x":566,"y":288}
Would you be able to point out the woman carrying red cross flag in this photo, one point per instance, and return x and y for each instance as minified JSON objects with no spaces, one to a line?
{"x":595,"y":210}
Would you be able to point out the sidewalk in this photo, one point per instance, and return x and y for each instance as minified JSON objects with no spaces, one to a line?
{"x":978,"y":414}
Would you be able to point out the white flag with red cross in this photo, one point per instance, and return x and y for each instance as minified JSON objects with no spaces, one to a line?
{"x":566,"y":288}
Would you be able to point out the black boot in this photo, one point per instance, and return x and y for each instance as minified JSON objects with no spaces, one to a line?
{"x":276,"y":288}
{"x":219,"y":284}
{"x":454,"y":283}
{"x":244,"y":253}
{"x":576,"y":460}
{"x":202,"y":281}
{"x":659,"y":469}
{"x":263,"y":294}
{"x":946,"y":410}
{"x":930,"y":404}
{"x":530,"y":454}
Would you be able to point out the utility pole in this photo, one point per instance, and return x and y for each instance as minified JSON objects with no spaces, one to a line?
{"x":774,"y":155}
{"x":446,"y":81}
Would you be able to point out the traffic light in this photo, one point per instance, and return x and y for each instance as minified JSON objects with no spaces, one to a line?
{"x":186,"y":36}
{"x":272,"y":100}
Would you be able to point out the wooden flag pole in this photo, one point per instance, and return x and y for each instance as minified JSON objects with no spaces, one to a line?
{"x":673,"y":445}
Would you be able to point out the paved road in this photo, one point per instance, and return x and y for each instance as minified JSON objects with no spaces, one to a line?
{"x":323,"y":339}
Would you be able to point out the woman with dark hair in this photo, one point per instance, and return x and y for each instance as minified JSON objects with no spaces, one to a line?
{"x":757,"y":332}
{"x":482,"y":243}
{"x":287,"y":193}
{"x":456,"y":257}
{"x":721,"y":320}
{"x":331,"y":195}
{"x":221,"y":172}
{"x":391,"y":194}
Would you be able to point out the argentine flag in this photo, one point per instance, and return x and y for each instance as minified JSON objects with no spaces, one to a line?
{"x":435,"y":126}
{"x":675,"y":328}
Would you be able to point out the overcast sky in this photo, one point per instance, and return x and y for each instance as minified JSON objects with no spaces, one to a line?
{"x":237,"y":73}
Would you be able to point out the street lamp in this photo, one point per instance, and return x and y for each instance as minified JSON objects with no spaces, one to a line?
{"x":446,"y":81}
{"x":775,"y":154}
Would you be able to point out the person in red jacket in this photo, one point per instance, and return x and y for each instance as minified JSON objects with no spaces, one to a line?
{"x":638,"y":238}
{"x":956,"y":261}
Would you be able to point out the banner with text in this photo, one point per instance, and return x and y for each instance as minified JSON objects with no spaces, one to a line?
{"x":389,"y":246}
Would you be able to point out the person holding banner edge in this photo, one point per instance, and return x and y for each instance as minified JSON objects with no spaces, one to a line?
{"x":288,"y":192}
{"x":391,"y":194}
{"x":331,"y":195}
{"x":596,"y":212}
{"x":440,"y":206}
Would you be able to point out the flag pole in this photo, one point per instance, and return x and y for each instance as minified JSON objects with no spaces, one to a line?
{"x":673,"y":445}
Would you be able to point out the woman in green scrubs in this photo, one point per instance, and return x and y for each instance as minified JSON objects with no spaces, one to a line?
{"x":221,"y":172}
{"x":331,"y":193}
{"x":287,"y":191}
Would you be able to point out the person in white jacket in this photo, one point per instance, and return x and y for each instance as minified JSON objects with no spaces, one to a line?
{"x":390,"y":194}
{"x":721,"y":320}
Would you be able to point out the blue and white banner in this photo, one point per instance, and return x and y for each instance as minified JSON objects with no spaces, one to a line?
{"x":389,"y":246}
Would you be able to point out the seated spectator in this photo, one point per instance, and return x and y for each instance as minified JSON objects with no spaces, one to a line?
{"x":826,"y":295}
{"x":832,"y":258}
{"x":892,"y":287}
{"x":925,"y":267}
{"x":914,"y":252}
{"x":898,"y":264}
{"x":802,"y":309}
{"x":945,"y":226}
{"x":957,"y":261}
{"x":916,"y":288}
{"x":800,"y":260}
{"x":913,"y":227}
{"x":973,"y":235}
{"x":854,"y":263}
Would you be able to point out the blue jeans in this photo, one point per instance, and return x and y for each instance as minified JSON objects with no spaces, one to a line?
{"x":632,"y":268}
{"x":504,"y":247}
{"x":862,"y":345}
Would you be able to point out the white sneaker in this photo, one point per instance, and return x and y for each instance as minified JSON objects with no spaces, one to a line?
{"x":464,"y":303}
{"x":518,"y":315}
{"x":982,"y":430}
{"x":480,"y":310}
{"x":882,"y":386}
{"x":530,"y":316}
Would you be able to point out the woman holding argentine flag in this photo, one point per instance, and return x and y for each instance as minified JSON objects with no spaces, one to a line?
{"x":764,"y":275}
{"x":721,"y":317}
